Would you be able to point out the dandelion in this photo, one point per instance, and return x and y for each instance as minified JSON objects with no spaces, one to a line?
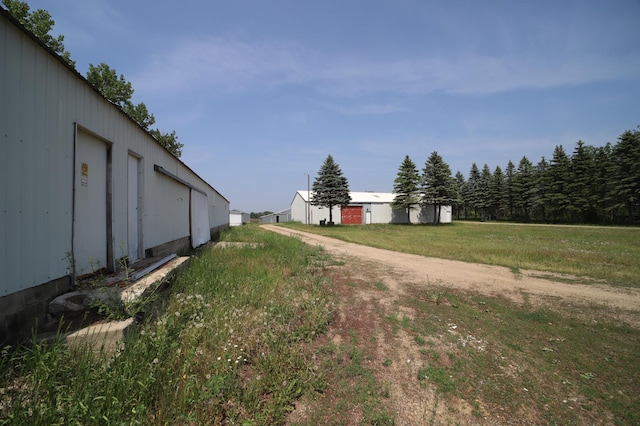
{"x":156,"y":360}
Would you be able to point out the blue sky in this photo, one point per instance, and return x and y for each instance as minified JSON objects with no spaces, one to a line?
{"x":260,"y":92}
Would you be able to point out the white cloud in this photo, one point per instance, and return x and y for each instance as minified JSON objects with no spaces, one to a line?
{"x":232,"y":65}
{"x":367,"y":108}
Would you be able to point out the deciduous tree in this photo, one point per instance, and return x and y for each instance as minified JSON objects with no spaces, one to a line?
{"x":40,"y":23}
{"x":118,"y":90}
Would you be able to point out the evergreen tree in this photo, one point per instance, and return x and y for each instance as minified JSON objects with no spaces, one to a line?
{"x":437,"y":185}
{"x":458,"y":187}
{"x":471,"y":192}
{"x":330,"y":188}
{"x":626,"y":158}
{"x":509,"y":194}
{"x":406,"y":186}
{"x":496,"y":194}
{"x":522,"y":188}
{"x":558,"y":175}
{"x":603,"y":182}
{"x":540,"y":188}
{"x":484,"y":194}
{"x":580,"y":186}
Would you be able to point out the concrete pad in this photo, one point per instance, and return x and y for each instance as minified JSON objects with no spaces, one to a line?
{"x":104,"y":337}
{"x":107,"y":337}
{"x":136,"y":290}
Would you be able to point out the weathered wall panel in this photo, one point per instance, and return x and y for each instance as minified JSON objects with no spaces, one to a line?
{"x":43,"y":103}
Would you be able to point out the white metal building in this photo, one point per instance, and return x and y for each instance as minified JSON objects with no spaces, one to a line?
{"x":277,"y":217}
{"x":238,"y":218}
{"x":81,"y":184}
{"x":365,"y":208}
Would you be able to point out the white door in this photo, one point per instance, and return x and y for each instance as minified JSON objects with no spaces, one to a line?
{"x":200,"y":232}
{"x":90,"y":216}
{"x":133,"y":208}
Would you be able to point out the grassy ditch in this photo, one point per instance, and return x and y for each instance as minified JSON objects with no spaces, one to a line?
{"x":226,"y":348}
{"x":603,"y":253}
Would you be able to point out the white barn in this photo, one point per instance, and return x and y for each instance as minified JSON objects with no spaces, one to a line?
{"x":238,"y":218}
{"x":83,"y":185}
{"x":365,"y":208}
{"x":277,"y":217}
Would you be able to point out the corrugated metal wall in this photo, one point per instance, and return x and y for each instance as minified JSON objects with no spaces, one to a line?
{"x":42,"y":104}
{"x":35,"y":223}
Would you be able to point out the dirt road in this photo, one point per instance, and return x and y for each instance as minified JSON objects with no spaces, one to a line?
{"x":393,"y":355}
{"x":484,"y":279}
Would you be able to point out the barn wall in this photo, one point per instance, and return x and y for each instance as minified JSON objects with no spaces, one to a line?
{"x":48,"y":115}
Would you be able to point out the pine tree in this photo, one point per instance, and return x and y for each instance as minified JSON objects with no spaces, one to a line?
{"x":437,"y":186}
{"x":484,"y":185}
{"x":580,"y":187}
{"x":522,"y":188}
{"x":626,"y":157}
{"x":603,"y":182}
{"x":509,"y":190}
{"x":540,"y":189}
{"x":496,"y":194}
{"x":557,"y":194}
{"x":458,"y":187}
{"x":471,"y":191}
{"x":406,"y":186}
{"x":330,"y":187}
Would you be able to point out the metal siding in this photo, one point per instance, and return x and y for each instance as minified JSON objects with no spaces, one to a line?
{"x":41,"y":101}
{"x":35,"y":222}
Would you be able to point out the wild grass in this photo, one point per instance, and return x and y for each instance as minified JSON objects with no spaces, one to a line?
{"x":226,"y":348}
{"x":603,"y":253}
{"x":233,"y":343}
{"x":529,"y":362}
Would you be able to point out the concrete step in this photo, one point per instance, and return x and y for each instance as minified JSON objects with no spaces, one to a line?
{"x":105,"y":336}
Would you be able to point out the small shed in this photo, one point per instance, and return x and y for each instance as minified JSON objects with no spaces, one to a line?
{"x":237,"y":218}
{"x":277,"y":217}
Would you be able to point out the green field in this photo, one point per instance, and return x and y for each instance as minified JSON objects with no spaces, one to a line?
{"x":603,"y":253}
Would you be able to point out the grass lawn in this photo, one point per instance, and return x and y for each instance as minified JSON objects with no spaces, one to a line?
{"x":605,"y":253}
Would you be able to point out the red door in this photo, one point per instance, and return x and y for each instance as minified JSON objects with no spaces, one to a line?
{"x":351,"y":215}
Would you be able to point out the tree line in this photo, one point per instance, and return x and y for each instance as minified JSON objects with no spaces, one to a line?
{"x":104,"y":78}
{"x":591,"y":185}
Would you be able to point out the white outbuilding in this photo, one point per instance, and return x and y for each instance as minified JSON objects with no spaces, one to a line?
{"x":238,"y":218}
{"x":83,"y":185}
{"x":277,"y":217}
{"x":364,"y":208}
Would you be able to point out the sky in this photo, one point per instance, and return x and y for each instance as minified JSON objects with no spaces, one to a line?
{"x":260,"y":92}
